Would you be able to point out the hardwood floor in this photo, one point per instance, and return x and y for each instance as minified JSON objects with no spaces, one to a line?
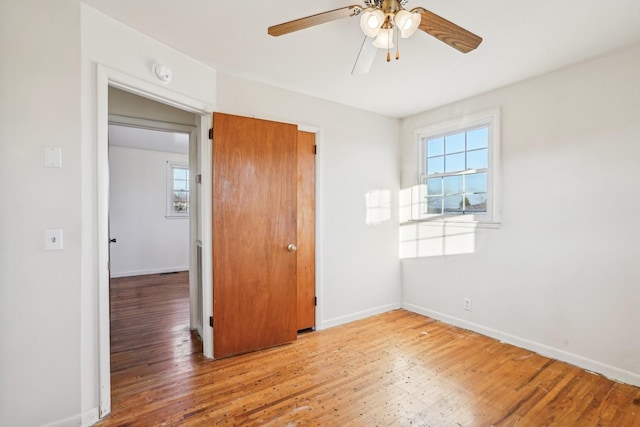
{"x":395,"y":369}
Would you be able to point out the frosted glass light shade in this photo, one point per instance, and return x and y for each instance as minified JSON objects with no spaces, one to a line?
{"x":371,"y":21}
{"x":384,"y":40}
{"x":407,"y":22}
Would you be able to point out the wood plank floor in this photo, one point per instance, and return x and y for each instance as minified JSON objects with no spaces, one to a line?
{"x":395,"y":369}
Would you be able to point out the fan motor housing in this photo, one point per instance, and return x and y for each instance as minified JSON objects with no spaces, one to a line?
{"x":390,"y":6}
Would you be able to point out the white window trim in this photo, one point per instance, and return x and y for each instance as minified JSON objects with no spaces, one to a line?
{"x":492,"y":218}
{"x":170,"y":214}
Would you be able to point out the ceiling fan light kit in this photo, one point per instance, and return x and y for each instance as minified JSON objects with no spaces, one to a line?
{"x":378,"y":20}
{"x":384,"y":39}
{"x":371,"y":21}
{"x":407,"y":22}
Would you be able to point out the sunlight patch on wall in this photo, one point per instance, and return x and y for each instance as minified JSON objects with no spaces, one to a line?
{"x":433,"y":238}
{"x":427,"y":238}
{"x":411,"y":203}
{"x":378,"y":206}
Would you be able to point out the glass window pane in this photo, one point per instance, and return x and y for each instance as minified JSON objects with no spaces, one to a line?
{"x":179,"y":173}
{"x":454,"y":191}
{"x":435,"y":165}
{"x":453,"y":204}
{"x":454,"y":162}
{"x":478,"y":159}
{"x":434,"y":205}
{"x":434,"y":186}
{"x":181,"y":202}
{"x":454,"y":143}
{"x":475,"y":183}
{"x":478,"y":138}
{"x":179,"y":191}
{"x":453,"y":185}
{"x":435,"y":147}
{"x":475,"y":202}
{"x":179,"y":185}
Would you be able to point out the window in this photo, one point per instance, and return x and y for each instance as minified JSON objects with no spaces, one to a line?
{"x":177,"y":190}
{"x":459,"y":169}
{"x":456,"y":172}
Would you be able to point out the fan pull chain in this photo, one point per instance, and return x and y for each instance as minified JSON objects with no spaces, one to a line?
{"x":388,"y":49}
{"x":397,"y":44}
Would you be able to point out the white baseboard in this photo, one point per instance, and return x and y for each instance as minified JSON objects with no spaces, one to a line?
{"x":144,"y":272}
{"x":86,"y":419}
{"x":358,"y":315}
{"x":67,"y":422}
{"x":612,"y":372}
{"x":90,"y":417}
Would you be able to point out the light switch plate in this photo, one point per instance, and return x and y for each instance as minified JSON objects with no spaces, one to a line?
{"x":53,"y":157}
{"x":53,"y":239}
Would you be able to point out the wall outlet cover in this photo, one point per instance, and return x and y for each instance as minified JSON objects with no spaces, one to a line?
{"x":53,"y":239}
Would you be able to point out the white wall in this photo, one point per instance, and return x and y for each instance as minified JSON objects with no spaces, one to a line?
{"x":127,"y":104}
{"x":357,"y":152}
{"x":39,"y":290}
{"x":147,"y":241}
{"x":561,"y":274}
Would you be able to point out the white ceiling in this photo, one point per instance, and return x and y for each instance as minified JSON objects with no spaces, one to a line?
{"x":148,"y":139}
{"x":521,"y":39}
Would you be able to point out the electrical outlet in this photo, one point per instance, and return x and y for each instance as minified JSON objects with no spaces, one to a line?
{"x":52,"y":157}
{"x":53,"y":239}
{"x":467,"y":304}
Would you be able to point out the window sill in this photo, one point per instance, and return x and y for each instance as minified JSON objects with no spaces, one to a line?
{"x":456,"y":221}
{"x":177,"y":216}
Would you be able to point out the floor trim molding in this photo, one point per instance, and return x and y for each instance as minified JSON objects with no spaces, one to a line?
{"x":359,"y":315}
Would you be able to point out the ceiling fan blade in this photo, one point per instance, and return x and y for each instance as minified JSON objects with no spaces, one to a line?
{"x":366,"y":55}
{"x":310,"y":21}
{"x":448,"y":32}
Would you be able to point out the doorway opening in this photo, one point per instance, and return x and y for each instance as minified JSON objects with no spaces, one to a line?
{"x":155,"y":241}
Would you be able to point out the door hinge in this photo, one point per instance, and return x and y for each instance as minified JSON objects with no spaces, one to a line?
{"x":315,"y":301}
{"x":211,"y":321}
{"x":315,"y":149}
{"x":211,"y":133}
{"x":199,"y":179}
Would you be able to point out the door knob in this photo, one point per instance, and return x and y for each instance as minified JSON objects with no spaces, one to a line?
{"x":112,"y":240}
{"x":292,"y":247}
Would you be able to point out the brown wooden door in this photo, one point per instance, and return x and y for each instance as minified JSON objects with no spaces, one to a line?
{"x":306,"y":230}
{"x":254,"y":221}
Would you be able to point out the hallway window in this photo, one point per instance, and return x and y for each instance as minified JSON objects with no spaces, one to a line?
{"x":177,"y":190}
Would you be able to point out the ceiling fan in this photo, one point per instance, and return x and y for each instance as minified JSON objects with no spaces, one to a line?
{"x":379,"y":19}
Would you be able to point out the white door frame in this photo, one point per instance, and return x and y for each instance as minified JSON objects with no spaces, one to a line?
{"x":106,"y":77}
{"x":318,"y":219}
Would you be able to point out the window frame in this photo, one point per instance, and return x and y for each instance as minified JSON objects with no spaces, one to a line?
{"x":170,"y":213}
{"x":490,"y":119}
